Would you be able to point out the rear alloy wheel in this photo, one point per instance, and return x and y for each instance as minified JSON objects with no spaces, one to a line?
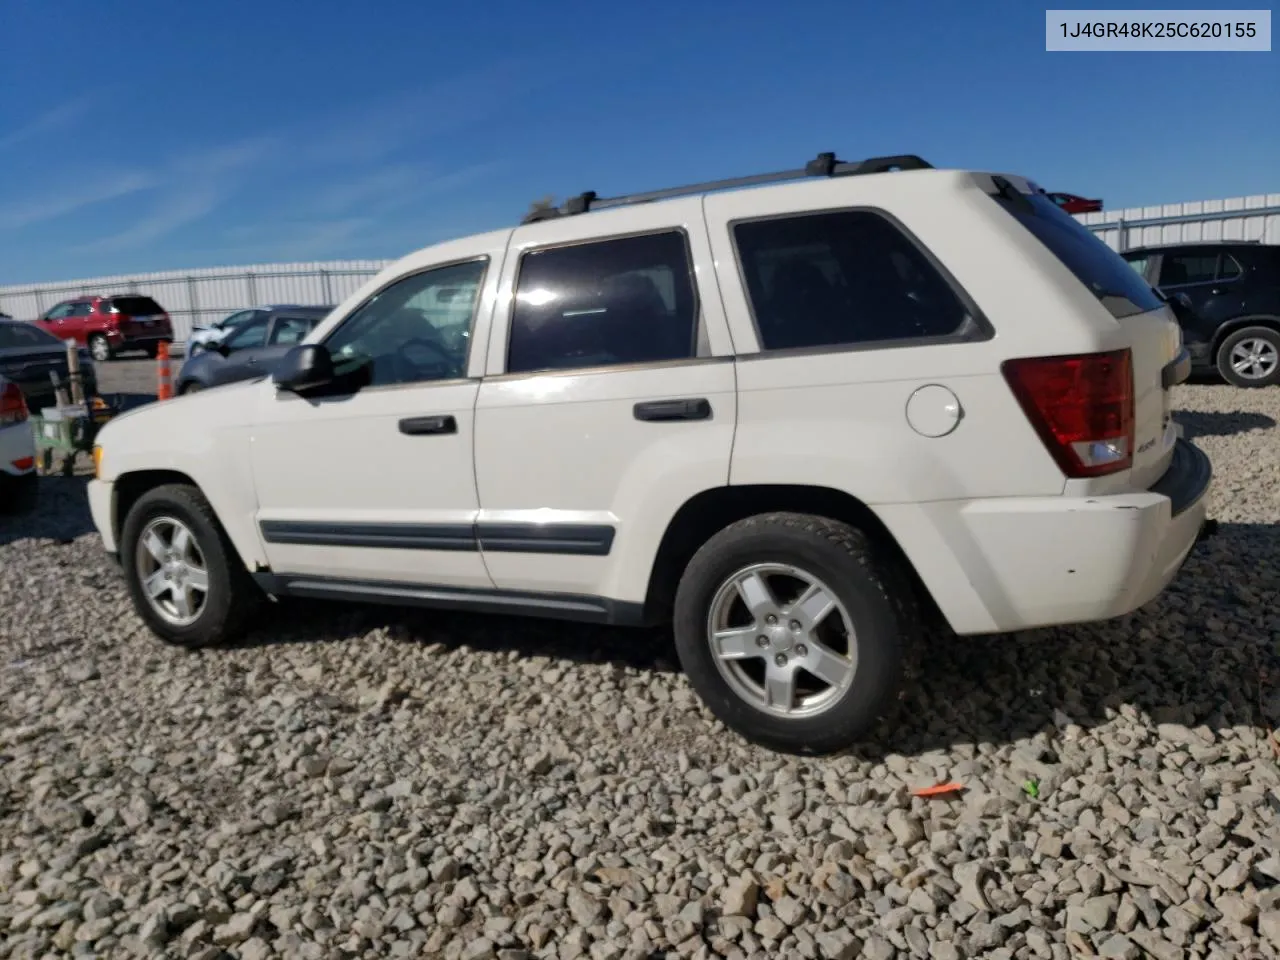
{"x":1250,"y":357}
{"x":185,"y":578}
{"x":100,"y":348}
{"x":793,"y":630}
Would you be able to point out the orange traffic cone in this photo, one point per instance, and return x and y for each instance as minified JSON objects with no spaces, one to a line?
{"x":164,"y":390}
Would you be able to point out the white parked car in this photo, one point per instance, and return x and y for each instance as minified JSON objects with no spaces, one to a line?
{"x":795,"y":419}
{"x":18,"y":490}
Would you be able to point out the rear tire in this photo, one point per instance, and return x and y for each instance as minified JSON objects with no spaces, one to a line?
{"x":173,"y":530}
{"x":767,"y":692}
{"x":152,"y":350}
{"x":1250,"y":357}
{"x":100,"y":348}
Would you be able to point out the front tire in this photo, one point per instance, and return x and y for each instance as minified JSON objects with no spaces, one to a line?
{"x":100,"y":348}
{"x":1250,"y":357}
{"x":794,"y":629}
{"x":185,"y":578}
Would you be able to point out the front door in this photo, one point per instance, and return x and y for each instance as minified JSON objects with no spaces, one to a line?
{"x":371,"y":485}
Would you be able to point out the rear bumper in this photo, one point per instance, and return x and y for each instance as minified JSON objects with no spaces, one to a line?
{"x":1014,"y":564}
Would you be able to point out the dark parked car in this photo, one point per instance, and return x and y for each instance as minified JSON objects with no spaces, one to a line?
{"x":1227,"y":298}
{"x":203,"y":337}
{"x":28,"y":355}
{"x":110,"y":325}
{"x":251,"y":350}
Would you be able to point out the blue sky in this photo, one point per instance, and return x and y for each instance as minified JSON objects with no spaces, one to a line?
{"x":144,"y":135}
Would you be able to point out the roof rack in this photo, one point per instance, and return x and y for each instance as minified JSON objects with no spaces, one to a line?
{"x":824,"y":165}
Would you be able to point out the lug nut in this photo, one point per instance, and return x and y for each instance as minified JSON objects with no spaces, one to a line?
{"x":795,"y":626}
{"x":771,"y":619}
{"x":780,"y":659}
{"x":801,"y":650}
{"x":762,"y":641}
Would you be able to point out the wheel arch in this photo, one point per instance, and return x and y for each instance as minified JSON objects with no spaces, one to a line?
{"x":1267,"y":320}
{"x":710,"y":511}
{"x":129,"y":487}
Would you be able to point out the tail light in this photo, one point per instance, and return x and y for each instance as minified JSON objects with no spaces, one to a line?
{"x":1082,"y":407}
{"x":13,"y":406}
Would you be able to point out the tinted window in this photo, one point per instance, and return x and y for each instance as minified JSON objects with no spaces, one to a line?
{"x":18,"y":335}
{"x":1178,"y":268}
{"x":251,"y":334}
{"x":135,"y":306}
{"x":411,"y":332}
{"x":61,"y":310}
{"x":629,"y":300}
{"x":842,"y":278}
{"x":81,"y":310}
{"x":290,"y":330}
{"x":1093,"y":263}
{"x":1228,"y":268}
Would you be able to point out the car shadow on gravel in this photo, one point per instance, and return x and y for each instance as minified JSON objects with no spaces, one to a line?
{"x":61,"y":515}
{"x":1196,"y":655}
{"x":1197,"y":423}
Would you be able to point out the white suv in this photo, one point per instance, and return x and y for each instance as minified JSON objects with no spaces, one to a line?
{"x":794,"y":419}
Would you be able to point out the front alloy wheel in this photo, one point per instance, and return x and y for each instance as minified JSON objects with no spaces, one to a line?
{"x":172,"y":571}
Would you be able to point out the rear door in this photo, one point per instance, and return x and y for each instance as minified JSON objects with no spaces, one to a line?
{"x":609,"y":399}
{"x":1206,"y":280}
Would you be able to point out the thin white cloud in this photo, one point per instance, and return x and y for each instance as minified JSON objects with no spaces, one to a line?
{"x":63,"y":115}
{"x":179,"y":207}
{"x":73,"y":197}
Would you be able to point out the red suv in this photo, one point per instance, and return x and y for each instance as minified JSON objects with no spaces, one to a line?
{"x":109,"y":325}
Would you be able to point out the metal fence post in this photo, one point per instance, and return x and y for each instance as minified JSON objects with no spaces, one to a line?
{"x":326,"y":285}
{"x":251,"y":287}
{"x":1122,"y":236}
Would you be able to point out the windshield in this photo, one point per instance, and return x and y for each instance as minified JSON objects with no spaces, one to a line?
{"x":17,"y":336}
{"x":1109,"y":278}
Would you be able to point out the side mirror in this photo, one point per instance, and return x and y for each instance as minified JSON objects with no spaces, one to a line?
{"x":305,"y":367}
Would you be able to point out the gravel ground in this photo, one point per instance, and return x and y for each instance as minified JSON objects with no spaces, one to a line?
{"x":363,"y":782}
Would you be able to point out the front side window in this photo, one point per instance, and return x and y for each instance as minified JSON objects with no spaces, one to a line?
{"x":418,"y":329}
{"x":843,"y":278}
{"x":60,"y":311}
{"x":1179,"y":268}
{"x":250,"y":335}
{"x":610,"y":302}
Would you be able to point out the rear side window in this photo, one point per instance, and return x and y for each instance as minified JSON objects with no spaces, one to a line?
{"x":1116,"y":285}
{"x":134,"y":306}
{"x":1228,"y":267}
{"x":842,"y":278}
{"x":1180,"y":268}
{"x":81,"y":310}
{"x":629,"y":300}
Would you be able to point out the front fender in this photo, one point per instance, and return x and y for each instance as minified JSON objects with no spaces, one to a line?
{"x":205,"y":442}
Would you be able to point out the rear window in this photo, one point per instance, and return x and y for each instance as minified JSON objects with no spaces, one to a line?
{"x":1115,"y":283}
{"x":15,"y":336}
{"x":134,"y":306}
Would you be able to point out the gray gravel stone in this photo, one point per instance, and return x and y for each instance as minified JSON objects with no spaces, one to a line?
{"x":368,"y":782}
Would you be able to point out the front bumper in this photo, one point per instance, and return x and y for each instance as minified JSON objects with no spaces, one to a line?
{"x":1018,"y":563}
{"x":101,"y":499}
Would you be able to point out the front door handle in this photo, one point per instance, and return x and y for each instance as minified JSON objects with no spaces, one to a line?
{"x":663,"y":411}
{"x":425,"y":426}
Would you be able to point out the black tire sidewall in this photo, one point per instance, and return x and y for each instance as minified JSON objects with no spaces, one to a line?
{"x":184,"y":504}
{"x":1224,"y":357}
{"x":878,"y":631}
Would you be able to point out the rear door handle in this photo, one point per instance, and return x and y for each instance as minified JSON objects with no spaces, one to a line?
{"x":662,"y":411}
{"x":424,"y":426}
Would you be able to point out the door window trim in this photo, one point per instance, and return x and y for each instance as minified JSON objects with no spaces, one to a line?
{"x":482,"y":258}
{"x":700,"y":339}
{"x":982,"y":331}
